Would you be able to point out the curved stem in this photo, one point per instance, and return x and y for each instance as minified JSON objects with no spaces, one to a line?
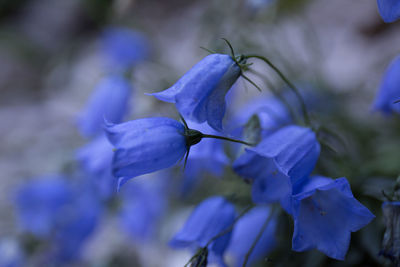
{"x":286,"y":80}
{"x":226,"y":138}
{"x":260,"y":233}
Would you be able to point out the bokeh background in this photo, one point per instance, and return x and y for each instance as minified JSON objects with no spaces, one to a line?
{"x":51,"y":60}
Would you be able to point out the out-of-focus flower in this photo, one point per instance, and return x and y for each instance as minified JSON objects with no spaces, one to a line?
{"x":210,"y":218}
{"x":11,"y":254}
{"x":40,"y":204}
{"x":146,"y":145}
{"x":143,"y":204}
{"x":96,"y":159}
{"x":199,"y":95}
{"x":109,"y":101}
{"x":389,"y":91}
{"x":123,"y":47}
{"x":391,"y":238}
{"x":206,"y":157}
{"x":279,"y":162}
{"x":245,"y":232}
{"x":325,"y":215}
{"x":61,"y":213}
{"x":389,"y":10}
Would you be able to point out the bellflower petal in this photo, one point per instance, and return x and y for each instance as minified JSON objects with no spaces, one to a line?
{"x":210,"y":218}
{"x":389,"y":10}
{"x":146,"y":145}
{"x":279,"y":162}
{"x":123,"y":47}
{"x":389,"y":90}
{"x":325,"y":217}
{"x":245,"y":232}
{"x":109,"y":101}
{"x":200,"y":94}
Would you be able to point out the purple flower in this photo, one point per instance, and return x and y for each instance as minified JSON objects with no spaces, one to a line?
{"x":109,"y":101}
{"x":146,"y":145}
{"x":389,"y":10}
{"x":279,"y":162}
{"x":245,"y":232}
{"x":210,"y":218}
{"x":389,"y":91}
{"x":200,"y":94}
{"x":123,"y":47}
{"x":325,"y":215}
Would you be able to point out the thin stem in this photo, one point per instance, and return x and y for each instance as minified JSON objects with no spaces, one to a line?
{"x":186,"y":158}
{"x":184,"y":122}
{"x":250,"y":81}
{"x":397,"y":101}
{"x":230,"y":47}
{"x":286,"y":80}
{"x":208,"y":50}
{"x":227,"y":139}
{"x":260,"y":233}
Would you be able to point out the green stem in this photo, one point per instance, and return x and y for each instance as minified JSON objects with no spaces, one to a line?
{"x":286,"y":80}
{"x":260,"y":233}
{"x":226,"y":138}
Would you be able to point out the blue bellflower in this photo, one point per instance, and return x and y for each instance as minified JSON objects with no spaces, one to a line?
{"x":389,"y":10}
{"x":96,"y":159}
{"x":278,"y":163}
{"x":324,"y":216}
{"x":146,"y":145}
{"x":389,"y":90}
{"x":109,"y":101}
{"x":123,"y":48}
{"x":210,"y":218}
{"x":199,"y":95}
{"x":245,"y":232}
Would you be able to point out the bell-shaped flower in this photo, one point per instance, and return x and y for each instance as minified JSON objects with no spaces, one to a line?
{"x":389,"y":10}
{"x":199,"y":95}
{"x":389,"y":91}
{"x":211,"y":218}
{"x":391,"y":238}
{"x":324,"y":216}
{"x":246,"y":231}
{"x":96,"y":159}
{"x":279,"y":162}
{"x":109,"y":101}
{"x":146,"y":145}
{"x":123,"y":48}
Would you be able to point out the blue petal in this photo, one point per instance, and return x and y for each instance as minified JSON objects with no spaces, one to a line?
{"x":210,"y":218}
{"x":200,"y":93}
{"x":245,"y":232}
{"x":390,"y":89}
{"x":146,"y":145}
{"x":325,"y":216}
{"x":109,"y":101}
{"x":389,"y":10}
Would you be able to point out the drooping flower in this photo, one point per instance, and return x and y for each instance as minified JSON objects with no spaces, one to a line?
{"x":109,"y":101}
{"x":245,"y":232}
{"x":143,"y":203}
{"x":391,"y":238}
{"x":389,"y":10}
{"x":199,"y":95}
{"x":123,"y":47}
{"x":210,"y":218}
{"x":96,"y":159}
{"x":278,"y":163}
{"x":325,"y":215}
{"x":389,"y":91}
{"x":146,"y":145}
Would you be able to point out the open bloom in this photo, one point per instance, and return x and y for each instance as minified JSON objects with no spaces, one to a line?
{"x":389,"y":90}
{"x":278,"y":163}
{"x":146,"y":145}
{"x":389,"y":10}
{"x":210,"y":218}
{"x":109,"y":101}
{"x":200,"y":94}
{"x":325,"y":214}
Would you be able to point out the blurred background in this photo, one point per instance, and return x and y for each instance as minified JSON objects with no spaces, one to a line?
{"x":54,"y":53}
